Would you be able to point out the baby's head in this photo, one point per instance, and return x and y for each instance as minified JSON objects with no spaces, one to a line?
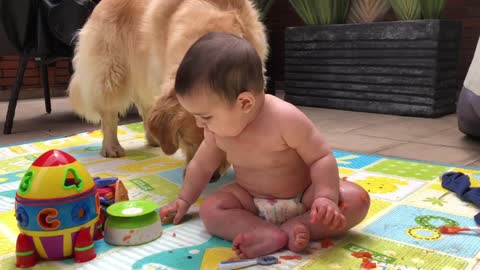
{"x":220,"y":81}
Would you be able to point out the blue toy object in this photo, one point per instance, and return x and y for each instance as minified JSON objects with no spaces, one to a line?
{"x":103,"y":182}
{"x":460,"y":184}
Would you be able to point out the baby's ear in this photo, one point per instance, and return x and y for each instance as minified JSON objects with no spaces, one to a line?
{"x":246,"y":101}
{"x":163,"y":123}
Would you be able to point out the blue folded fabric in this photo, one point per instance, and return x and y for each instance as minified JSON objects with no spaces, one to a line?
{"x":460,"y":184}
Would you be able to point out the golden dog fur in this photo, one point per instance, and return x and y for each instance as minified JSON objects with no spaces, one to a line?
{"x":128,"y":53}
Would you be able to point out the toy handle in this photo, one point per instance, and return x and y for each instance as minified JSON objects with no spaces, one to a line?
{"x":235,"y":264}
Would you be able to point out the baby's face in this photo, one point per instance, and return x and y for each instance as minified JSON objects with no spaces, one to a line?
{"x":215,"y":114}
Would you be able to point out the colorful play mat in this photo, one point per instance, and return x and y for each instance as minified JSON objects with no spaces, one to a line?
{"x":400,"y":231}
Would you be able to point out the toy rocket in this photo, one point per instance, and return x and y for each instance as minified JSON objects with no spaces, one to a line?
{"x":57,"y":209}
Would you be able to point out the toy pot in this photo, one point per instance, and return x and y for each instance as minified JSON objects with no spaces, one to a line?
{"x":132,"y":223}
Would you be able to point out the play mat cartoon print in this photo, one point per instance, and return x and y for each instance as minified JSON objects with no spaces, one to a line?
{"x":400,"y":231}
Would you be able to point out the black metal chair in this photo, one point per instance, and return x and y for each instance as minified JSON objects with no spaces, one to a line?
{"x":45,"y":31}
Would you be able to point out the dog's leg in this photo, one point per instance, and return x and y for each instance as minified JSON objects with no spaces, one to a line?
{"x":111,"y":146}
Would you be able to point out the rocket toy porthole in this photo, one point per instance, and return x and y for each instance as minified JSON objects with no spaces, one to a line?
{"x":80,"y":213}
{"x":47,"y":219}
{"x":22,"y":217}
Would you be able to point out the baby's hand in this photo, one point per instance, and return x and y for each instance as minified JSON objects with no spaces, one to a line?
{"x":328,"y":212}
{"x":178,"y":207}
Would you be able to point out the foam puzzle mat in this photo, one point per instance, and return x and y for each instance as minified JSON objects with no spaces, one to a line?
{"x":400,"y":230}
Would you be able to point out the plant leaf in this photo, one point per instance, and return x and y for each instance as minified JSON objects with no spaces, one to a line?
{"x":407,"y":9}
{"x":367,"y":11}
{"x":432,"y":9}
{"x":321,"y":11}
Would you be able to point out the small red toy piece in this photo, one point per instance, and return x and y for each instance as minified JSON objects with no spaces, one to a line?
{"x":326,"y":243}
{"x":83,"y":250}
{"x":367,"y":264}
{"x":25,"y":252}
{"x":362,"y":254}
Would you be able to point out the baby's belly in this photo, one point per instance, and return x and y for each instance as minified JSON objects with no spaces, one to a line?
{"x":277,"y":183}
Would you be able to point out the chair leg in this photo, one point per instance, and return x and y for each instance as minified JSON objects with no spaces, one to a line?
{"x":7,"y":129}
{"x":46,"y":87}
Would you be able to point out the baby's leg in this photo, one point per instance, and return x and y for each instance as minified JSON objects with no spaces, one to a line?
{"x":231,"y":214}
{"x":354,"y":205}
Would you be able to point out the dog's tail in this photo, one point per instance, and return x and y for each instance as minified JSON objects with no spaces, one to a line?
{"x":249,"y":18}
{"x":231,"y":4}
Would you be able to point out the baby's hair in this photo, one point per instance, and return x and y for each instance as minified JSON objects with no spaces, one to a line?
{"x":223,"y":63}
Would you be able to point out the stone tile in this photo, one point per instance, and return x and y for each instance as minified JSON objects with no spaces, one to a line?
{"x":432,"y":153}
{"x":475,"y":163}
{"x":23,"y":137}
{"x":339,"y":126}
{"x":358,"y":143}
{"x":328,"y":114}
{"x":32,"y":120}
{"x":316,"y":114}
{"x":408,"y":128}
{"x":452,"y":137}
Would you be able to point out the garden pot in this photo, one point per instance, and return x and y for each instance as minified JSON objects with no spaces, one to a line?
{"x":398,"y":67}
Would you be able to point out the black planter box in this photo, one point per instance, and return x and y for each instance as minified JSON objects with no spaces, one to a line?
{"x":399,"y":67}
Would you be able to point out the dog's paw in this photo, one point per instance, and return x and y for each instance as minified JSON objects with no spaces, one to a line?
{"x":113,"y":151}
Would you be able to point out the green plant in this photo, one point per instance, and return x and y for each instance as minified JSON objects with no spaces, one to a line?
{"x":263,"y":7}
{"x":367,"y":11}
{"x":321,"y":11}
{"x":407,"y":9}
{"x":432,"y":9}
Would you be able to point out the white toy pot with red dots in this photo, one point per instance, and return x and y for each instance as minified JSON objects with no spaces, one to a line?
{"x":132,"y":223}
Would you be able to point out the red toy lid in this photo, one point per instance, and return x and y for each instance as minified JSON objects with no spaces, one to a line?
{"x":53,"y":158}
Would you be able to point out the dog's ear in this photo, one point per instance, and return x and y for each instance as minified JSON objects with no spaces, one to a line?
{"x":163,"y":123}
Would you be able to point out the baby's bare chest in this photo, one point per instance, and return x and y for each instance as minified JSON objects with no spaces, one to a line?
{"x":256,"y":150}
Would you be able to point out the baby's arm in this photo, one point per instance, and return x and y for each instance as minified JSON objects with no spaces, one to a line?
{"x":197,"y":175}
{"x":302,"y":135}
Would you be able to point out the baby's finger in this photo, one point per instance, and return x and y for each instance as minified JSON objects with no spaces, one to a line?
{"x":320,"y":214}
{"x":343,"y":222}
{"x":327,"y":219}
{"x":167,"y":219}
{"x":181,"y":211}
{"x":166,"y":210}
{"x":313,"y":215}
{"x":336,"y":222}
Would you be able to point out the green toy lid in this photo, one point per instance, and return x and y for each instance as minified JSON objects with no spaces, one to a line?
{"x":131,"y":208}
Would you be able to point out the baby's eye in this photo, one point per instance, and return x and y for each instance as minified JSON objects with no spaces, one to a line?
{"x":206,"y":117}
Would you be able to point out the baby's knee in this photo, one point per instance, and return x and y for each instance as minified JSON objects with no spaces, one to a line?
{"x":214,"y":206}
{"x":207,"y":208}
{"x":352,"y":191}
{"x":355,"y":200}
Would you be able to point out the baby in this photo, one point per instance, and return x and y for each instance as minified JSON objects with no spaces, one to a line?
{"x":287,"y":189}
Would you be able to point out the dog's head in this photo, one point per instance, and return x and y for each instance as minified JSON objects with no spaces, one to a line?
{"x":172,"y":127}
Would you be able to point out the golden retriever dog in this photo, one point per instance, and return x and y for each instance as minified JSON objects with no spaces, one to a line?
{"x":128,"y":53}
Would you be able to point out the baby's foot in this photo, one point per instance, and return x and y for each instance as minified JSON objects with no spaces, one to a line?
{"x":254,"y":244}
{"x":298,"y":237}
